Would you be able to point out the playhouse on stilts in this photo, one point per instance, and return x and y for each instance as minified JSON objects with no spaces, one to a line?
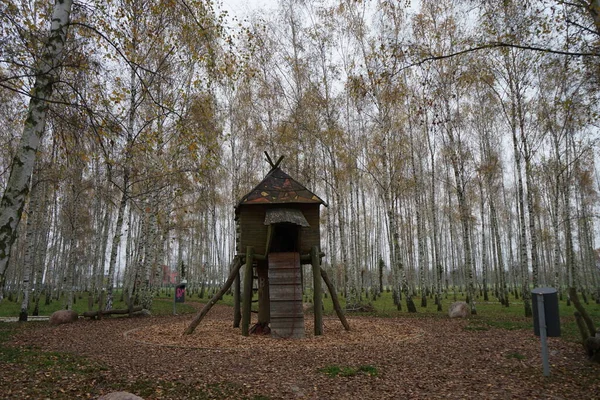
{"x":277,"y":231}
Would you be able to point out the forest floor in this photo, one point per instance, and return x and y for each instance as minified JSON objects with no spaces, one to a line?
{"x":383,"y":358}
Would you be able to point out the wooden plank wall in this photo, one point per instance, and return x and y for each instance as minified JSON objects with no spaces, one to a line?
{"x":285,"y":291}
{"x":253,"y":231}
{"x":310,"y":236}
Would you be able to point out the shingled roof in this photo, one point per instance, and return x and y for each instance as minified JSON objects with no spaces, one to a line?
{"x":280,"y":188}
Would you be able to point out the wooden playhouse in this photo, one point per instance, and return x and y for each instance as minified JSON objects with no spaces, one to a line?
{"x":277,"y":231}
{"x":279,"y":218}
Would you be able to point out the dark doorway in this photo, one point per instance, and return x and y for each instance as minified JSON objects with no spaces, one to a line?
{"x":285,"y":238}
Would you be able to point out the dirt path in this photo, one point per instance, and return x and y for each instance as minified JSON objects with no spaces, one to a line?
{"x":422,"y":358}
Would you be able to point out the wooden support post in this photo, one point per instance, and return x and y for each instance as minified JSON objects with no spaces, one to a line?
{"x":317,"y":294}
{"x":237,"y":311}
{"x":334,"y":298}
{"x":247,"y":294}
{"x":236,"y":264}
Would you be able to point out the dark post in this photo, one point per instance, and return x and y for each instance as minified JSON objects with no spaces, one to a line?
{"x":179,"y":295}
{"x":546,"y":320}
{"x":317,"y":295}
{"x":237,"y":311}
{"x":549,"y":309}
{"x":247,"y":294}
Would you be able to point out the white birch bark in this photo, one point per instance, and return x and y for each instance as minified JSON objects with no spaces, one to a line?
{"x":353,"y":282}
{"x":566,"y":193}
{"x":51,"y":274}
{"x":28,"y":260}
{"x":503,"y":290}
{"x":436,"y":253}
{"x":70,"y":264}
{"x":465,"y":213}
{"x":17,"y":188}
{"x":103,"y":234}
{"x":129,"y":270}
{"x":524,"y":270}
{"x":148,"y":242}
{"x":484,"y":248}
{"x":115,"y":246}
{"x":420,"y":218}
{"x":43,"y":244}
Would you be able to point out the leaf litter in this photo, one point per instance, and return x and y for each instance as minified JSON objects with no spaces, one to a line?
{"x":415,"y":358}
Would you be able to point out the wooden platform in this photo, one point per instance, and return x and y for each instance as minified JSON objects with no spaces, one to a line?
{"x":285,"y":293}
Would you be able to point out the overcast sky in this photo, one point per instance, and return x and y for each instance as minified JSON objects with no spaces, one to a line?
{"x":242,"y":8}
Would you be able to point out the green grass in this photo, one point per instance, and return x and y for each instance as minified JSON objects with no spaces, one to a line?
{"x":336,"y":370}
{"x":489,"y":314}
{"x":162,"y":305}
{"x":516,"y":356}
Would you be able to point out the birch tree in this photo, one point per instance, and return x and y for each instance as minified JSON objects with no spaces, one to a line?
{"x":17,"y":187}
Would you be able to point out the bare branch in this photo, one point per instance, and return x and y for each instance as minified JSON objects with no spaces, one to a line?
{"x":495,"y":45}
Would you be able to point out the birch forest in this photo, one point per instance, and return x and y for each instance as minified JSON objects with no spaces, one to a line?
{"x":453,"y":140}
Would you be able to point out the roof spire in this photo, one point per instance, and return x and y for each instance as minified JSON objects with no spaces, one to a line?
{"x":270,"y":161}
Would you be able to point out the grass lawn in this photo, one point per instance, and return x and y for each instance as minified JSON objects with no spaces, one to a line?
{"x":489,"y":314}
{"x":162,"y":305}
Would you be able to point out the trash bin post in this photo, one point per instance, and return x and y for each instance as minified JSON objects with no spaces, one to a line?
{"x":546,"y":320}
{"x":543,"y":337}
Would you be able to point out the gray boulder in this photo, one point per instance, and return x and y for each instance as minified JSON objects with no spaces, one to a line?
{"x":63,"y":317}
{"x":458,"y":309}
{"x":120,"y":396}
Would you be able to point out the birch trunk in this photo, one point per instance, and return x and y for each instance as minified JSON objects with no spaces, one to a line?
{"x":129,"y":270}
{"x":30,"y":243}
{"x":464,"y":211}
{"x":342,"y":231}
{"x":566,"y":192}
{"x":435,"y":226}
{"x":70,"y":264}
{"x":484,"y":249}
{"x":40,"y":262}
{"x":417,"y":177}
{"x":148,"y":240}
{"x":115,"y":245}
{"x":354,"y":286}
{"x":17,"y":187}
{"x":397,"y":262}
{"x":532,"y":217}
{"x":524,"y":270}
{"x":468,"y":252}
{"x":100,"y":262}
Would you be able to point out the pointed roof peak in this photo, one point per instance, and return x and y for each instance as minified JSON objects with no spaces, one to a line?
{"x":274,"y":165}
{"x":278,"y":187}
